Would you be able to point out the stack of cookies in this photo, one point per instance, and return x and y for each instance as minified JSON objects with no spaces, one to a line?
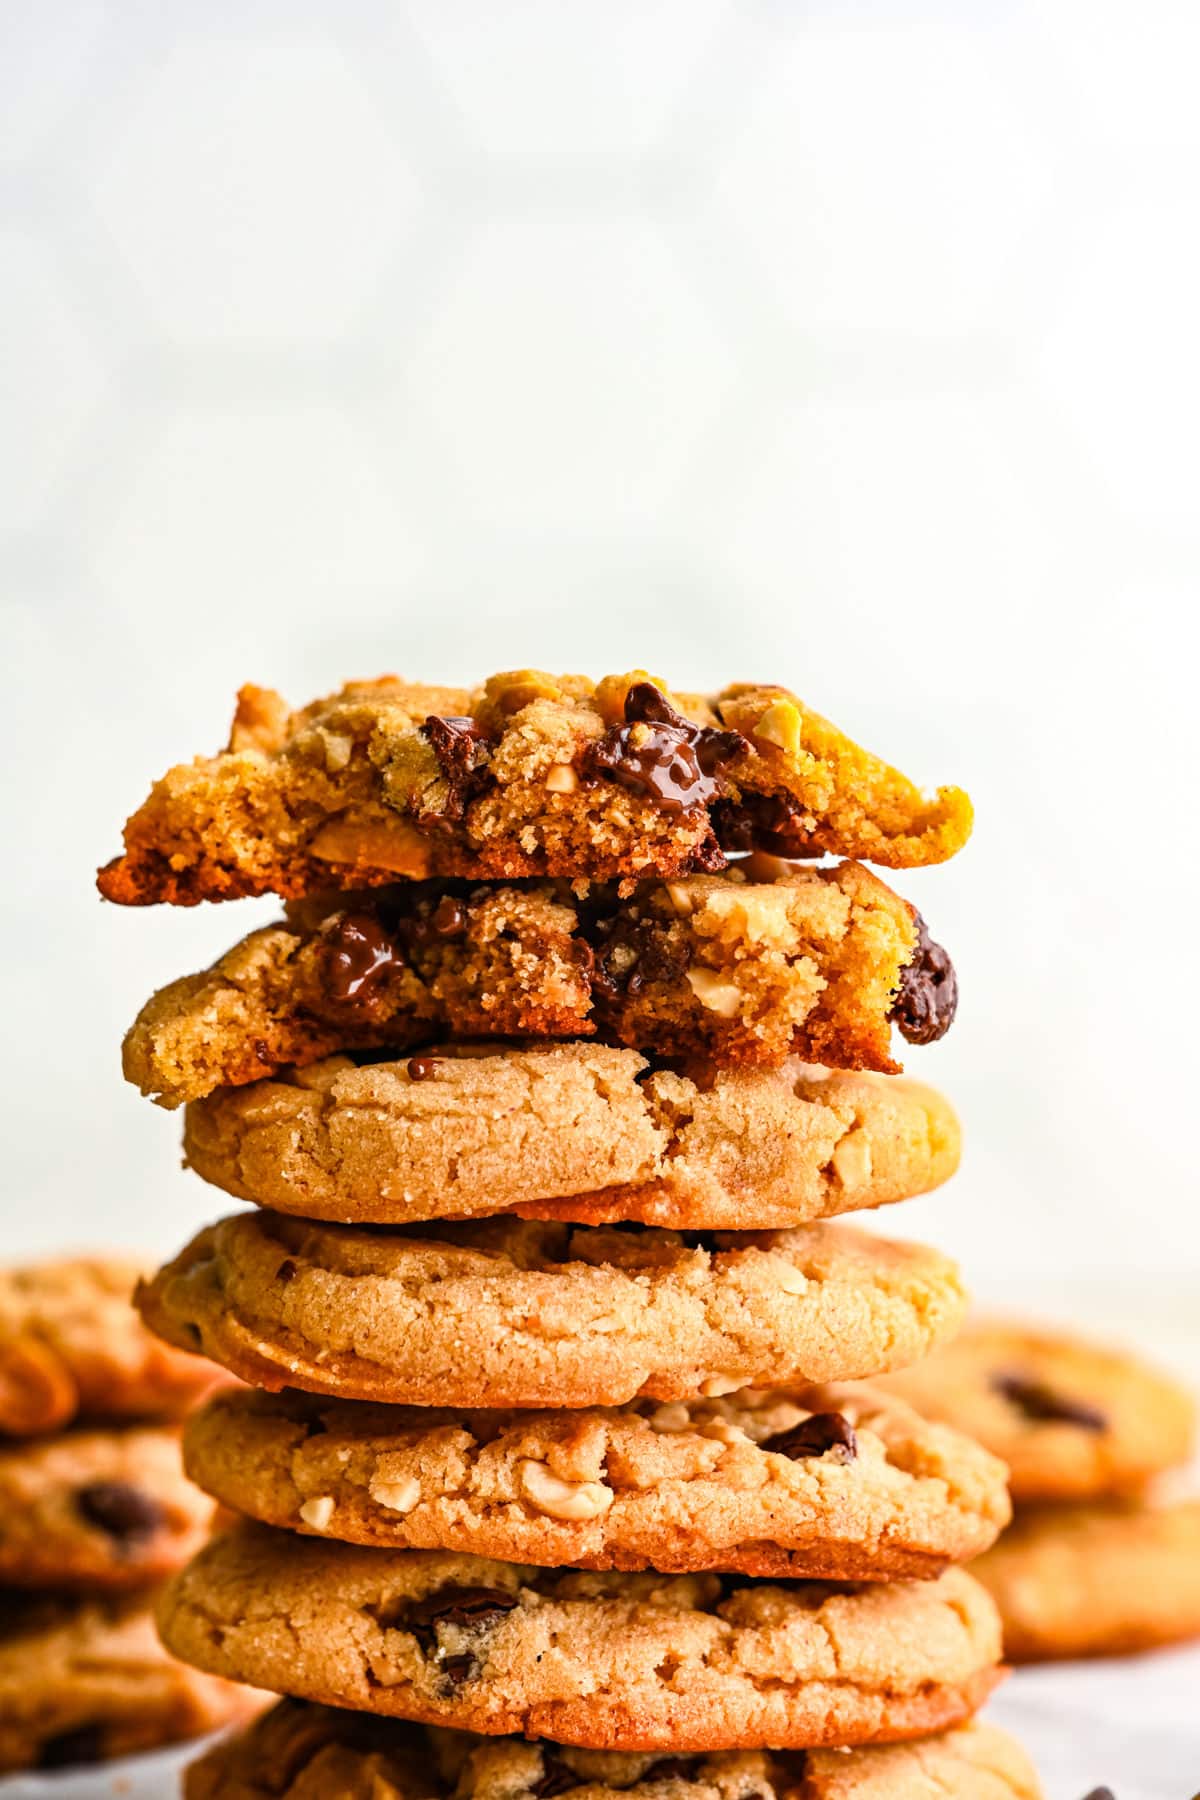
{"x":1100,"y":1559}
{"x":545,"y":1090}
{"x":94,"y":1512}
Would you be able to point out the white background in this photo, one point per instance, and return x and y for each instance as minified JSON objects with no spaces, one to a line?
{"x":848,"y":345}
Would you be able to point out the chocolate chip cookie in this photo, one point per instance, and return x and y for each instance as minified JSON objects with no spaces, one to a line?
{"x":824,"y":1483}
{"x":511,"y":1312}
{"x":299,"y":1751}
{"x":1071,"y":1417}
{"x":531,"y":775}
{"x":583,"y":1132}
{"x":71,"y":1346}
{"x":100,"y":1509}
{"x":1097,"y":1579}
{"x":635,"y":1662}
{"x":85,"y":1680}
{"x":815,"y":962}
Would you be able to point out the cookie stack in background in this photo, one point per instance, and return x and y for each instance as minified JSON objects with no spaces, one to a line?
{"x":1101,"y":1558}
{"x":545,"y":1091}
{"x":94,"y":1512}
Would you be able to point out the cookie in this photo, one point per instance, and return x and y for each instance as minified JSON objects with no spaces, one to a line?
{"x":103,"y":1509}
{"x":1098,"y":1579}
{"x":85,"y":1680}
{"x":576,"y":1131}
{"x":298,"y":1751}
{"x":823,"y":1483}
{"x":817,"y":962}
{"x":637,"y":1662}
{"x":1072,"y":1418}
{"x":510,"y":1312}
{"x":531,"y":775}
{"x":71,"y":1346}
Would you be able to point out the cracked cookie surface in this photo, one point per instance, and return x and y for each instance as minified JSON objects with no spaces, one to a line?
{"x":573,"y":1131}
{"x":299,"y":1751}
{"x":511,"y":1312}
{"x":72,"y":1347}
{"x":823,"y":1483}
{"x":643,"y":1662}
{"x":105,"y":1509}
{"x":530,"y":775}
{"x":83,"y":1681}
{"x":725,"y":969}
{"x":1072,"y":1417}
{"x":1098,"y":1579}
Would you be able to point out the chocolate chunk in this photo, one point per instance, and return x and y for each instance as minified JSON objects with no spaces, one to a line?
{"x":1041,"y":1404}
{"x":815,"y":1436}
{"x":422,"y":1068}
{"x":85,"y":1744}
{"x":458,"y":1669}
{"x":359,"y":953}
{"x":776,"y":823}
{"x":469,"y":1606}
{"x":672,"y":1768}
{"x":626,"y":953}
{"x":660,"y":755}
{"x":555,"y":1778}
{"x":927,"y":999}
{"x":128,"y":1514}
{"x":1103,"y":1793}
{"x":463,"y":751}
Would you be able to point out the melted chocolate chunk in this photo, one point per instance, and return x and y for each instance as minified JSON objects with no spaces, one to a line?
{"x":463,"y":751}
{"x":359,"y":953}
{"x":85,"y":1744}
{"x":422,"y":1068}
{"x":776,"y":823}
{"x":127,"y":1514}
{"x":626,"y":953}
{"x":927,"y":999}
{"x":555,"y":1778}
{"x":1041,"y":1404}
{"x":814,"y":1437}
{"x":470,"y":1606}
{"x":458,"y":1669}
{"x":660,"y":755}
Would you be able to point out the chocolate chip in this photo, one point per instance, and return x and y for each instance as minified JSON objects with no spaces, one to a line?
{"x":85,"y":1744}
{"x":468,"y":1606}
{"x":127,"y":1514}
{"x":555,"y":1778}
{"x":1100,"y":1793}
{"x":463,"y":752}
{"x":422,"y":1068}
{"x":1041,"y":1404}
{"x":458,"y":1669}
{"x":660,"y":755}
{"x":927,"y":998}
{"x":287,"y":1271}
{"x":359,"y":953}
{"x":449,"y":917}
{"x":815,"y":1436}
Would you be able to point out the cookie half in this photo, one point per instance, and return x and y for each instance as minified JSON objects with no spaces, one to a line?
{"x":1072,"y":1418}
{"x":1096,"y":1580}
{"x":298,"y":1751}
{"x":639,"y":1662}
{"x":576,"y":1131}
{"x":530,"y":775}
{"x":71,"y":1346}
{"x":98,"y":1509}
{"x":815,"y":962}
{"x":826,"y":1483}
{"x":511,"y":1312}
{"x":84,"y":1681}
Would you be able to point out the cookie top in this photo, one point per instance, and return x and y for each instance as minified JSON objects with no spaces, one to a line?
{"x":82,"y":1681}
{"x":532,"y":774}
{"x":1072,"y":1418}
{"x":71,"y":1347}
{"x":102,"y":1509}
{"x":299,"y":1751}
{"x":512,"y":1312}
{"x":1098,"y":1579}
{"x":639,"y":1662}
{"x":575,"y":1131}
{"x":816,"y":962}
{"x":825,"y":1483}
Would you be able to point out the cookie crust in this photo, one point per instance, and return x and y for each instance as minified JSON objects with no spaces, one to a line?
{"x":640,"y":1662}
{"x":572,"y":1131}
{"x":530,"y":775}
{"x":515,"y":1313}
{"x":724,"y":1484}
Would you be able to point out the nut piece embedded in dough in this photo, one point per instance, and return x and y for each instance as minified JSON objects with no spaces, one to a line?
{"x":318,"y":1512}
{"x":396,"y":1496}
{"x":516,"y":688}
{"x":852,"y":1159}
{"x":780,"y":725}
{"x":721,"y":997}
{"x":561,"y":779}
{"x":576,"y":1501}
